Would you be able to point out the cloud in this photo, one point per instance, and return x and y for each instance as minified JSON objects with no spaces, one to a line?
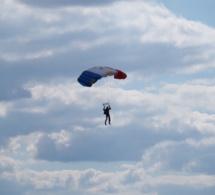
{"x":146,"y":176}
{"x":180,"y":156}
{"x":134,"y":179}
{"x":92,"y":146}
{"x":176,"y":120}
{"x":50,"y":125}
{"x":64,"y":3}
{"x":52,"y":43}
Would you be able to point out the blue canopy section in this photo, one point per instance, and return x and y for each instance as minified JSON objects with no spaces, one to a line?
{"x":87,"y":78}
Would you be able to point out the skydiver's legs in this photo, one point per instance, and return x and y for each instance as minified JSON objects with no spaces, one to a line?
{"x":106,"y":120}
{"x":109,"y":119}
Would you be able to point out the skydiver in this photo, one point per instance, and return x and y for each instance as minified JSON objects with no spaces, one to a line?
{"x":106,"y":112}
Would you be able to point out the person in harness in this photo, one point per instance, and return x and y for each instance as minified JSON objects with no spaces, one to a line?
{"x":107,"y":113}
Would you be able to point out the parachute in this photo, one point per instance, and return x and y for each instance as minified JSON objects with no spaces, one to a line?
{"x":92,"y":75}
{"x":106,"y":79}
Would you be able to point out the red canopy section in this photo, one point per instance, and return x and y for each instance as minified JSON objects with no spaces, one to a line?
{"x":120,"y":75}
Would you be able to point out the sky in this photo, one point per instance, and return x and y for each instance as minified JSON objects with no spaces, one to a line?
{"x":52,"y":134}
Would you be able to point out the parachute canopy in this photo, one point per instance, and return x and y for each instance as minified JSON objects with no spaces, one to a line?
{"x":90,"y":76}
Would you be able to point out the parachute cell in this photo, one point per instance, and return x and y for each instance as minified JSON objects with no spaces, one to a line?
{"x":92,"y":75}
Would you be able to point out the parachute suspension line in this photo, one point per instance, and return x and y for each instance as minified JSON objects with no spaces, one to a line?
{"x":98,"y":98}
{"x":107,"y":93}
{"x":96,"y":90}
{"x":101,"y":90}
{"x":107,"y":90}
{"x":110,"y":88}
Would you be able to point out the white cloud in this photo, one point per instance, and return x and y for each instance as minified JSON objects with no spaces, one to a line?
{"x":4,"y":108}
{"x":146,"y":22}
{"x":132,"y":179}
{"x":171,"y":106}
{"x":62,"y":138}
{"x":180,"y":156}
{"x":164,"y":111}
{"x":97,"y":182}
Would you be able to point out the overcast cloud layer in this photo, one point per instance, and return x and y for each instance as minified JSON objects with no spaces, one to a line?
{"x":52,"y":134}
